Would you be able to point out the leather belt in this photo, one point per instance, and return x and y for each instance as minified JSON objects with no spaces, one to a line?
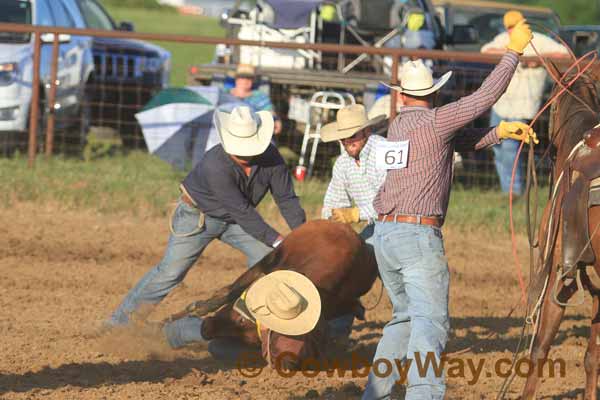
{"x":411,"y":219}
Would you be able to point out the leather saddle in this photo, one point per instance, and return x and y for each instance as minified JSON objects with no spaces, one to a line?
{"x":582,"y":192}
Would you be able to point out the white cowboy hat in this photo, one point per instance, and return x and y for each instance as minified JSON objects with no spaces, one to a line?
{"x":243,"y":132}
{"x":349,"y":120}
{"x":417,"y":80}
{"x":284,"y":301}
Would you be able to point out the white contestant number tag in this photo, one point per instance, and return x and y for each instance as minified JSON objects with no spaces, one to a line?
{"x":391,"y":155}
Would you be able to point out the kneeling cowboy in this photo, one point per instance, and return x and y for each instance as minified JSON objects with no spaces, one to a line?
{"x":218,"y":201}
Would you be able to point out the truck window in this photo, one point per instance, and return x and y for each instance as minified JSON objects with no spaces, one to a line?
{"x":43,"y":15}
{"x":95,"y":16}
{"x":489,"y":22}
{"x":15,"y":12}
{"x":74,"y":12}
{"x":61,"y":16}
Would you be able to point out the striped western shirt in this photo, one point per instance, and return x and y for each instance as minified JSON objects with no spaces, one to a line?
{"x":353,"y":182}
{"x":423,"y":187}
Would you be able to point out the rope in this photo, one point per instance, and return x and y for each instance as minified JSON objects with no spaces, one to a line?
{"x":531,"y":175}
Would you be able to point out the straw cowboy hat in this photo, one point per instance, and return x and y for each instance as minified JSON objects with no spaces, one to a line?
{"x":349,"y":120}
{"x":244,"y":132}
{"x":284,"y":301}
{"x":417,"y":80}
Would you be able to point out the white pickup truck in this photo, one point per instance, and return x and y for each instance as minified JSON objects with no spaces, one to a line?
{"x":75,"y":65}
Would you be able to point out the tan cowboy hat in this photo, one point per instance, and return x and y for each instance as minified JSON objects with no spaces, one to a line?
{"x":349,"y":120}
{"x":245,"y":71}
{"x":284,"y":301}
{"x":417,"y":80}
{"x":244,"y":132}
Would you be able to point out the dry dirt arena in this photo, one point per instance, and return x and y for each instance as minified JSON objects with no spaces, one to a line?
{"x":62,"y":272}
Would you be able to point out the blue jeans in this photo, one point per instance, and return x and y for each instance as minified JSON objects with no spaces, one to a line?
{"x":183,"y":249}
{"x":414,"y":271}
{"x":504,"y":158}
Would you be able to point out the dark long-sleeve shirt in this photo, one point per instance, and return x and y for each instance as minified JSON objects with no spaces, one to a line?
{"x":222,"y":190}
{"x":423,"y":187}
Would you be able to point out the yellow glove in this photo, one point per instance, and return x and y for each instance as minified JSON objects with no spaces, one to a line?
{"x":345,"y":215}
{"x":519,"y":37}
{"x":516,"y":130}
{"x":415,"y":21}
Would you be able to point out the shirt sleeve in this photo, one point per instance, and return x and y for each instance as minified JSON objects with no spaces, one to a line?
{"x":240,"y":209}
{"x":282,"y":189}
{"x":336,"y":195}
{"x":453,"y":116}
{"x":473,"y":139}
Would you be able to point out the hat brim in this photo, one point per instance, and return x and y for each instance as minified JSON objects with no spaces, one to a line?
{"x":426,"y":91}
{"x":304,"y":322}
{"x":330,"y":132}
{"x":245,"y":146}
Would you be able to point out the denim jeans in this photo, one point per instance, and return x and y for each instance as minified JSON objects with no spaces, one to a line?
{"x":414,"y":271}
{"x":504,"y":158}
{"x":183,"y":249}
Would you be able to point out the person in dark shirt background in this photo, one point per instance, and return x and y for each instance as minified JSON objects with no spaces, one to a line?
{"x":218,"y":201}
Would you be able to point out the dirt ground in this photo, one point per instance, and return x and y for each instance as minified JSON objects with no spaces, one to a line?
{"x":63,"y":272}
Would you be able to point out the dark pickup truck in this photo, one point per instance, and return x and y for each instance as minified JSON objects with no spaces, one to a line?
{"x":127,"y":73}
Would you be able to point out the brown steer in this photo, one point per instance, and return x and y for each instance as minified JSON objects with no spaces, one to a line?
{"x":340,"y":264}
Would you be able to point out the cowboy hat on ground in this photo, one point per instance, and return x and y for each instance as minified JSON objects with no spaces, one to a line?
{"x":243,"y":132}
{"x":349,"y":120}
{"x":417,"y":80}
{"x":286,"y":302}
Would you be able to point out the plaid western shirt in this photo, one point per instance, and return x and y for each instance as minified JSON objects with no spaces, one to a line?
{"x":353,"y":182}
{"x":423,"y":187}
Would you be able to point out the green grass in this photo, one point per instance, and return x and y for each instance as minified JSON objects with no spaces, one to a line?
{"x":141,"y":184}
{"x":169,"y":21}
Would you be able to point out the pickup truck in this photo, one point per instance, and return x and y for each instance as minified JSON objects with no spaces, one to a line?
{"x":99,"y":81}
{"x":75,"y":67}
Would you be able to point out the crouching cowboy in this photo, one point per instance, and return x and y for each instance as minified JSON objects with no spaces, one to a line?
{"x":218,"y":201}
{"x":355,"y":179}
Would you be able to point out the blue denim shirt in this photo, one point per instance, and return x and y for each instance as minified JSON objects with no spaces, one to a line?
{"x":222,"y":190}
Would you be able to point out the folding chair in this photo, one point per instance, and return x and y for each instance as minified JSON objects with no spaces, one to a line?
{"x":320,"y":103}
{"x":279,"y":21}
{"x":381,"y":19}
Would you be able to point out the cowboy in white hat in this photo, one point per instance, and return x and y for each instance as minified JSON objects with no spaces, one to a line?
{"x":412,"y":204}
{"x":218,"y":201}
{"x":355,"y":180}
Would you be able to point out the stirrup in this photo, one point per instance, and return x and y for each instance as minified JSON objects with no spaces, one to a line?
{"x":567,"y":281}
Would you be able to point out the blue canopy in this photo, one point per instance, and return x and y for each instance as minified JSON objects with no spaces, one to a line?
{"x":292,"y":14}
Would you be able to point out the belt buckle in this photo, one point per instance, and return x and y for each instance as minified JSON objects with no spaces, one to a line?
{"x":418,"y":220}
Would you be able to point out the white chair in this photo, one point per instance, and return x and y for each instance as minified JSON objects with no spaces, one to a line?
{"x":320,"y":103}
